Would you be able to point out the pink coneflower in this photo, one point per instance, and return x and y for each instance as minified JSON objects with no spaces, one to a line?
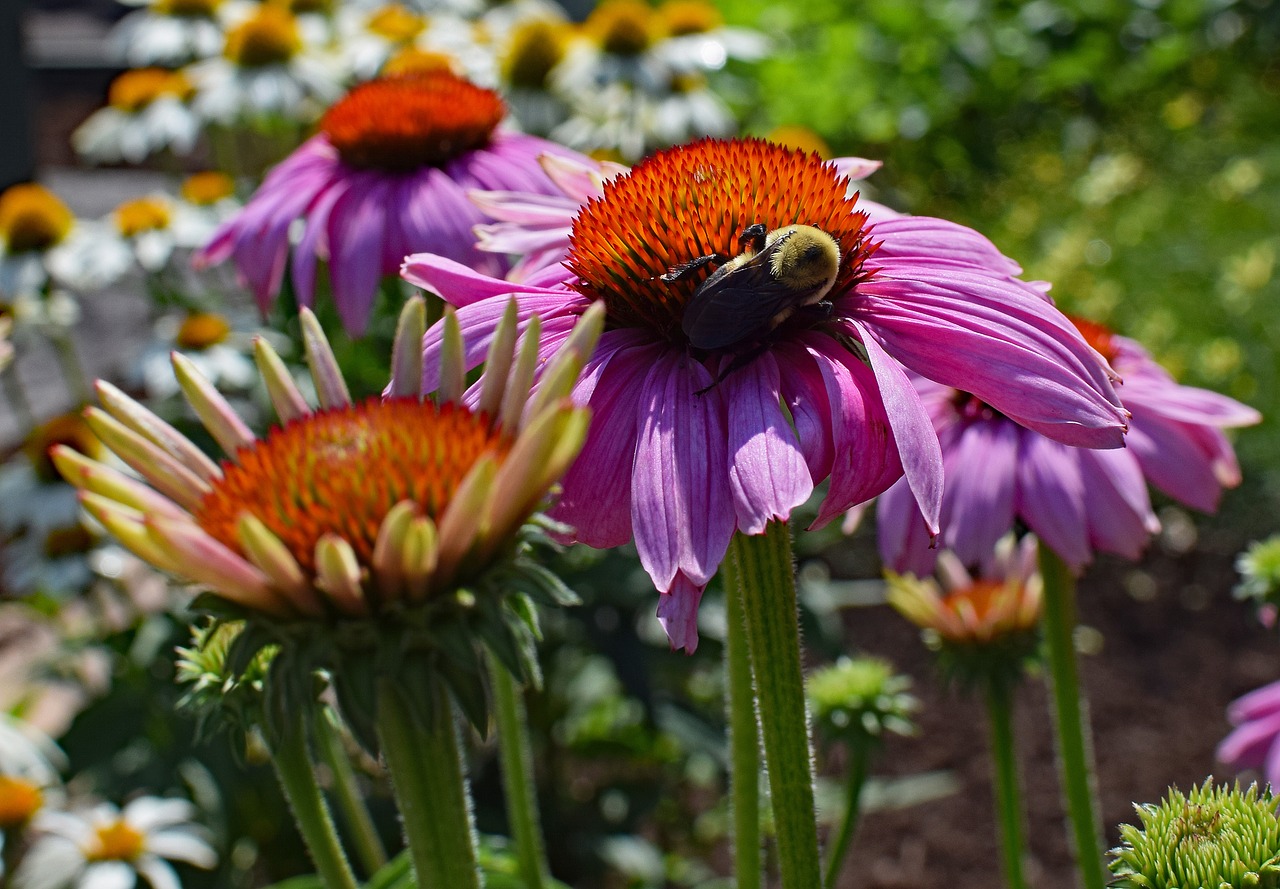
{"x":386,"y":175}
{"x":1076,"y":500}
{"x":689,"y":444}
{"x":1255,"y":741}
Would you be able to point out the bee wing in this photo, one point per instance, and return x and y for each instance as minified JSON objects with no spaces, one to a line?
{"x":737,"y":303}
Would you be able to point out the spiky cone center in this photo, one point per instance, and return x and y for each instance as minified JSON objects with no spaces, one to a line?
{"x":195,"y":9}
{"x":206,"y":188}
{"x":533,"y":50}
{"x":116,"y":840}
{"x":1214,"y":837}
{"x":134,"y":90}
{"x":693,"y":201}
{"x":142,"y":215}
{"x":202,"y":330}
{"x":682,"y":17}
{"x":269,"y":37}
{"x":623,"y":27}
{"x":1099,"y":336}
{"x":395,"y":23}
{"x":404,"y":123}
{"x":32,"y":218}
{"x":339,"y":472}
{"x":861,"y":695}
{"x":20,"y":799}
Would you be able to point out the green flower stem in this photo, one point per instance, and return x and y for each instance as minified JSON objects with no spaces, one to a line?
{"x":859,"y":764}
{"x":298,"y":778}
{"x":1008,"y":794}
{"x":518,"y":785}
{"x":766,"y":576}
{"x":1074,"y":756}
{"x":435,"y":805}
{"x":363,"y":835}
{"x":744,"y":737}
{"x":16,"y":395}
{"x":72,"y":368}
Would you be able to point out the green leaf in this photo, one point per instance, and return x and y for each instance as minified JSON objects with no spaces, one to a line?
{"x":395,"y":874}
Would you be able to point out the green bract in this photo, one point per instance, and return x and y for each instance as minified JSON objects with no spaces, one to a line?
{"x":861,"y":696}
{"x":1211,"y":838}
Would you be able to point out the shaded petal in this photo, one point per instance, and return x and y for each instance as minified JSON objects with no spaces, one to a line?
{"x":901,"y":532}
{"x":1257,"y":703}
{"x":1050,"y":497}
{"x":977,"y":506}
{"x":596,"y":500}
{"x":461,"y":285}
{"x":1249,"y":745}
{"x":917,"y":443}
{"x":1189,"y":462}
{"x":678,"y":613}
{"x":928,"y":239}
{"x":681,"y":506}
{"x":356,"y":231}
{"x":314,"y":244}
{"x":767,"y":472}
{"x":1119,"y":508}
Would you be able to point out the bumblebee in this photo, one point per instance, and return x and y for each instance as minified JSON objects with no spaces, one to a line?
{"x":745,"y":299}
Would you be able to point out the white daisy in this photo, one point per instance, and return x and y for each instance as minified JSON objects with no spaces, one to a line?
{"x":146,"y":112}
{"x":220,"y":352}
{"x":169,"y":33}
{"x":393,"y":38}
{"x":26,"y":752}
{"x":529,"y":53}
{"x":108,"y":848}
{"x":267,"y":69}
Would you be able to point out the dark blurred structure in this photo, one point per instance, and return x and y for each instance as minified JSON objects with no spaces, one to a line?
{"x":17,"y":153}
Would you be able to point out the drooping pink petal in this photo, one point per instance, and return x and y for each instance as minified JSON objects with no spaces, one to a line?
{"x":767,"y":472}
{"x":1255,"y":704}
{"x":912,"y":430}
{"x":901,"y":532}
{"x":461,"y":285}
{"x":596,"y":498}
{"x":978,"y":503}
{"x":927,"y":239}
{"x":1050,"y":498}
{"x":314,"y":244}
{"x":1189,"y":463}
{"x":1251,"y":743}
{"x":678,"y":612}
{"x":1118,"y":508}
{"x":999,"y":340}
{"x":804,"y":391}
{"x":357,"y":227}
{"x":681,"y":506}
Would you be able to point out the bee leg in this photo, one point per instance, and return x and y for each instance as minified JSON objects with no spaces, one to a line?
{"x":739,"y":361}
{"x":753,"y":237}
{"x":685,"y":269}
{"x":823,"y":310}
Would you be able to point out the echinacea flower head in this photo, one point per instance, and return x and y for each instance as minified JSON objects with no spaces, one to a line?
{"x":357,"y":528}
{"x":386,"y":175}
{"x":1254,"y":743}
{"x":984,"y":626}
{"x":107,"y":846}
{"x":1076,"y":500}
{"x":861,"y":699}
{"x":1213,"y":837}
{"x":711,"y":423}
{"x":147,"y":111}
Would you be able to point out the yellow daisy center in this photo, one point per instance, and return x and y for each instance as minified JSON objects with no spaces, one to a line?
{"x":32,"y":218}
{"x":116,"y":841}
{"x":134,"y":90}
{"x":196,"y":9}
{"x":207,"y":188}
{"x":395,"y":24}
{"x":19,"y":800}
{"x":201,"y":330}
{"x":623,"y":27}
{"x":411,"y":60}
{"x":695,"y":201}
{"x":987,"y":610}
{"x":142,"y":215}
{"x":533,"y":50}
{"x":269,"y":37}
{"x":403,"y":123}
{"x":689,"y":17}
{"x":341,"y":471}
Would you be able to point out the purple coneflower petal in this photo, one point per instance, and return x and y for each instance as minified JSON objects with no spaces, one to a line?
{"x":1255,"y":704}
{"x":979,"y":497}
{"x":804,"y":391}
{"x":1118,"y":509}
{"x":314,"y":244}
{"x":928,"y":239}
{"x":678,"y":612}
{"x":1252,"y":744}
{"x":1189,"y":463}
{"x":901,"y":532}
{"x":767,"y":472}
{"x":1050,"y":499}
{"x":999,"y":340}
{"x":681,"y":506}
{"x":356,"y":230}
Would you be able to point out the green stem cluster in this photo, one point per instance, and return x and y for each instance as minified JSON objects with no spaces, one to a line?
{"x":1008,"y":796}
{"x":744,"y":737}
{"x":363,"y":835}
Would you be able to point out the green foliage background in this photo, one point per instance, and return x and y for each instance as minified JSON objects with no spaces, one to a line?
{"x":1125,"y":151}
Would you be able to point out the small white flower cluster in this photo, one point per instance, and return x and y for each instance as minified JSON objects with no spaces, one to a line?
{"x":91,"y":845}
{"x":629,"y":79}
